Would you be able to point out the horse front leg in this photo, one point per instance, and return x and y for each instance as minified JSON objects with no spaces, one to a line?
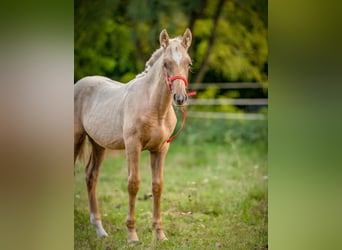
{"x":133,"y":158}
{"x":157,"y":167}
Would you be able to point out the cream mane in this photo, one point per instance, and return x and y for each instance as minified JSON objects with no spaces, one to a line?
{"x":155,"y":56}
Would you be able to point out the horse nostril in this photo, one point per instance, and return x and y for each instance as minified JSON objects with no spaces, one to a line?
{"x":179,"y":99}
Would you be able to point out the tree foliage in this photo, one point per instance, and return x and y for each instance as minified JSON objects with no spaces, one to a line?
{"x":115,"y":38}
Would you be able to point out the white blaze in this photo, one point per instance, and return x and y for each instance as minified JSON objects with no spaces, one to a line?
{"x":177,"y":57}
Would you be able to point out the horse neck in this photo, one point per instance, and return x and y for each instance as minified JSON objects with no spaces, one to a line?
{"x":159,"y":94}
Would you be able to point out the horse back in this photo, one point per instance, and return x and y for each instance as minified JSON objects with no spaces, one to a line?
{"x":96,"y":81}
{"x":91,"y":89}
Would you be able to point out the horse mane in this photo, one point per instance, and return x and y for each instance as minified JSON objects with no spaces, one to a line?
{"x":155,"y":56}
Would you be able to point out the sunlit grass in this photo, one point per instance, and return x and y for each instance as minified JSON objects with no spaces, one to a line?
{"x":215,"y":196}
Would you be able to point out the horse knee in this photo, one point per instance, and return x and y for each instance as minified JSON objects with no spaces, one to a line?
{"x":157,"y":188}
{"x":133,"y":185}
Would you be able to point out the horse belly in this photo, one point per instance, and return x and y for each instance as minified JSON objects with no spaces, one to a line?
{"x":117,"y":143}
{"x":106,"y":137}
{"x":105,"y":129}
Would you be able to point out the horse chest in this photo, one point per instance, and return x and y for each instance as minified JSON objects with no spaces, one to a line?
{"x":154,"y":134}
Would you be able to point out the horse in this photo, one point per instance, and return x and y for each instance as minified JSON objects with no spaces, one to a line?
{"x":135,"y":116}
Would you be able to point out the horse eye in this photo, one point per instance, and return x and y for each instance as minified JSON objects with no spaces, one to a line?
{"x":167,"y":64}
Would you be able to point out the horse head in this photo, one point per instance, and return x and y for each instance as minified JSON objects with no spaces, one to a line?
{"x":176,"y":63}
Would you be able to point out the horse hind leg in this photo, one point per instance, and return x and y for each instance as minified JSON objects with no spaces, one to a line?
{"x":92,"y":172}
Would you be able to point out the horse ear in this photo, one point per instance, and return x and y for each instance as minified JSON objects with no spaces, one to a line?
{"x":164,"y":39}
{"x":187,"y":38}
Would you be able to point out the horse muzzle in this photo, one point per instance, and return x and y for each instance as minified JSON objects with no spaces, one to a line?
{"x":180,"y":100}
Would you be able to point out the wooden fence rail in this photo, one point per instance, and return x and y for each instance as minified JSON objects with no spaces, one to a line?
{"x":226,"y":115}
{"x":233,"y":85}
{"x":227,"y":101}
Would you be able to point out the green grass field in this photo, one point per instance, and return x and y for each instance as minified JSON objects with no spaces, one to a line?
{"x":214,"y":197}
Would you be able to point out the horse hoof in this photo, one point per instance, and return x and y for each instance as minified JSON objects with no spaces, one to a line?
{"x":162,"y":237}
{"x":102,"y":234}
{"x":134,"y":242}
{"x":133,"y":238}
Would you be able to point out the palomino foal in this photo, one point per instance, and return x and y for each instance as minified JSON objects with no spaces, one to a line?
{"x":135,"y":116}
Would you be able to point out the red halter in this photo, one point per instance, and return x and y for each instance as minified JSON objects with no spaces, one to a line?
{"x":169,"y":84}
{"x":170,"y":80}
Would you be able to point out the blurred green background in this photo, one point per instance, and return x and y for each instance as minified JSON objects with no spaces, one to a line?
{"x":116,"y":38}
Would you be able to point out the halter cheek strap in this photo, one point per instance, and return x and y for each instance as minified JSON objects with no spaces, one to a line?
{"x":169,"y":84}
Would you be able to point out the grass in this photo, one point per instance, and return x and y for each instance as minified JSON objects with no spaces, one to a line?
{"x":214,"y":197}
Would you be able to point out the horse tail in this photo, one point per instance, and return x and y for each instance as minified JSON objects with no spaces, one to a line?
{"x":82,"y":151}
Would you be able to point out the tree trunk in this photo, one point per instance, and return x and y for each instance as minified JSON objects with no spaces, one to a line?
{"x":205,"y":63}
{"x":196,"y":13}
